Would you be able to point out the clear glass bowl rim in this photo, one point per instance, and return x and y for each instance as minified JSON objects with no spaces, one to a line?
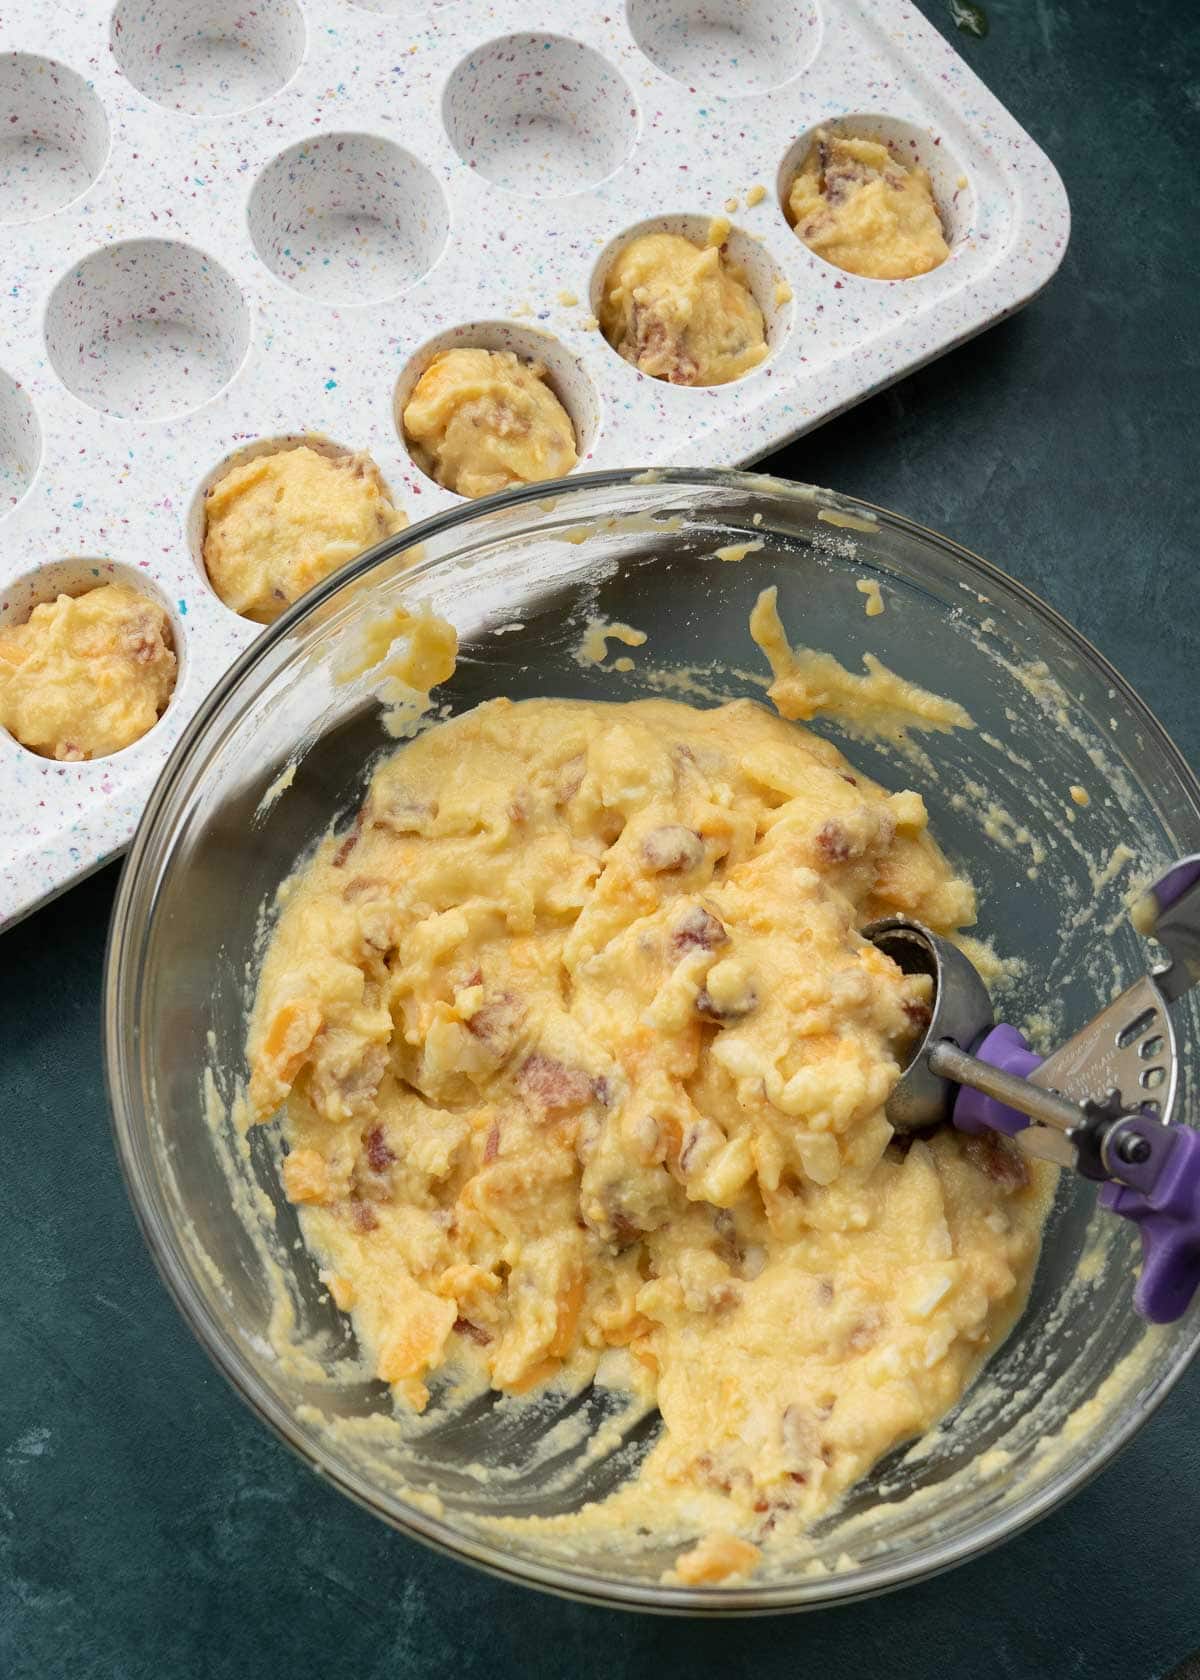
{"x":133,"y":906}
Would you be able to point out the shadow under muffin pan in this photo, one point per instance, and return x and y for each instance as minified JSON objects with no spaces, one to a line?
{"x":245,"y":224}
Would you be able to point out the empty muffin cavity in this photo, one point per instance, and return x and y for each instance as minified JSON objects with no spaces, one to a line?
{"x":208,"y":57}
{"x":348,"y":218}
{"x":20,"y":442}
{"x":539,"y":115}
{"x":897,"y":240}
{"x":278,"y":516}
{"x":90,"y":676}
{"x":53,"y":136}
{"x":727,"y":46}
{"x":692,"y":330}
{"x":150,"y":328}
{"x":514,"y":441}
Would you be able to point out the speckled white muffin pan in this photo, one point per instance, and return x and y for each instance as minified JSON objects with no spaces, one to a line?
{"x":223,"y":224}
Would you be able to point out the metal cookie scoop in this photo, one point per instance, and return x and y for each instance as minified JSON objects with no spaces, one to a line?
{"x":1101,"y":1104}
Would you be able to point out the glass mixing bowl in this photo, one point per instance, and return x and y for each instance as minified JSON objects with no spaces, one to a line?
{"x":520,"y":576}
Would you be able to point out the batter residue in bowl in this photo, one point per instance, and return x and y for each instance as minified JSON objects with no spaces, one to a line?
{"x":277,"y":524}
{"x":479,"y":421}
{"x":857,"y":206}
{"x":682,"y":312}
{"x":86,"y":675}
{"x":580,"y":1050}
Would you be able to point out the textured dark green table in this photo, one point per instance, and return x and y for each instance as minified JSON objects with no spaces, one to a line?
{"x":150,"y":1528}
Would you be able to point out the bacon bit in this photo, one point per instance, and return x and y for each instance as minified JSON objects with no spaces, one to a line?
{"x":379,"y":1156}
{"x":699,"y":930}
{"x":672,"y":849}
{"x":349,"y":842}
{"x":403,"y":814}
{"x":994,"y":1155}
{"x":365,"y":886}
{"x":654,"y":341}
{"x":476,"y":1332}
{"x":143,"y":648}
{"x":853,"y":780}
{"x":761,"y":1505}
{"x":917,"y":1014}
{"x":552,"y":1085}
{"x":625,"y":1231}
{"x":363,"y":1215}
{"x":798,"y":1476}
{"x":720,"y":1013}
{"x":497,"y":1022}
{"x":865,"y":1333}
{"x":475,"y":978}
{"x":572,"y":779}
{"x":690,"y":1141}
{"x":492,"y":1147}
{"x":834,"y":843}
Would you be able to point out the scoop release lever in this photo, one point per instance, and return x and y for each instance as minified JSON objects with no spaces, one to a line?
{"x":1101,"y":1105}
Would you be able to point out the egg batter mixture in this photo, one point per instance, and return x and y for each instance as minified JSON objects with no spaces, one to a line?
{"x":857,"y":206}
{"x":481,"y":420}
{"x":582,"y":1057}
{"x":276,"y":525}
{"x":682,"y":312}
{"x":86,"y":675}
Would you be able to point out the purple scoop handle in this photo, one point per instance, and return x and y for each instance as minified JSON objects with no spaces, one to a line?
{"x":1004,"y":1048}
{"x":1165,"y":1205}
{"x":1168,"y":1213}
{"x":1169,"y":888}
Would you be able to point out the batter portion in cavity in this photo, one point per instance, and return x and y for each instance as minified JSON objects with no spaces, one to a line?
{"x":582,"y":1056}
{"x":857,"y":206}
{"x":682,"y":312}
{"x":276,"y":525}
{"x":86,"y":675}
{"x":481,"y":420}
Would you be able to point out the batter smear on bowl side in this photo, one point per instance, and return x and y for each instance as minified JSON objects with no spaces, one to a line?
{"x":582,"y":1058}
{"x":277,"y":524}
{"x":860,"y":208}
{"x":479,"y":421}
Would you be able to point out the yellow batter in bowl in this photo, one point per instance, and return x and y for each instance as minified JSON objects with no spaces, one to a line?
{"x":86,"y":675}
{"x":583,"y":1064}
{"x":277,"y":524}
{"x":682,"y":312}
{"x":857,"y":206}
{"x":479,"y":421}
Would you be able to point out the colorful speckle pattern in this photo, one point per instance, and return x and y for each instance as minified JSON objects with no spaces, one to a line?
{"x":148,"y":328}
{"x":53,"y":137}
{"x":265,"y":226}
{"x":348,"y":218}
{"x":727,"y":47}
{"x":209,"y":59}
{"x":540,"y":115}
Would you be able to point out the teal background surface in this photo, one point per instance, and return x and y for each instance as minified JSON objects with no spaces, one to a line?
{"x":150,"y":1528}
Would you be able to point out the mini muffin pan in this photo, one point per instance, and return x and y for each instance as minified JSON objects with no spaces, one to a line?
{"x":226,"y":224}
